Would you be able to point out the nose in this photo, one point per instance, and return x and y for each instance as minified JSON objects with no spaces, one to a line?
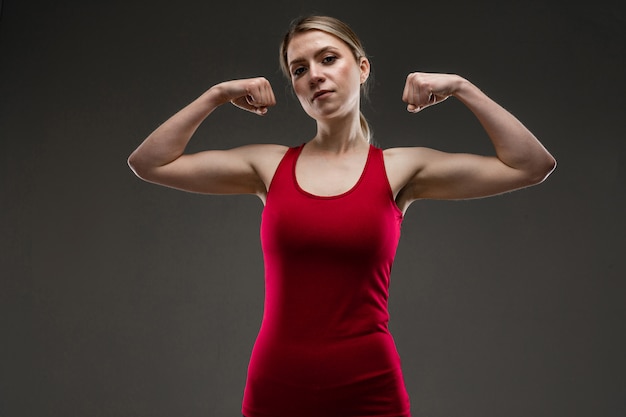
{"x":316,"y":75}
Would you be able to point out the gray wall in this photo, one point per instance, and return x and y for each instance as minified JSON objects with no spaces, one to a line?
{"x":122,"y":298}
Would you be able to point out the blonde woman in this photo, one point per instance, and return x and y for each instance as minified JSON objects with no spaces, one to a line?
{"x":333,"y":211}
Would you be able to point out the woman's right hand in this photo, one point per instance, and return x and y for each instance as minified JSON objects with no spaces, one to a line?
{"x":252,"y":94}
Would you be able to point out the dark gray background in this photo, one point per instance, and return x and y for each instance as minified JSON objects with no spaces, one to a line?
{"x":122,"y":298}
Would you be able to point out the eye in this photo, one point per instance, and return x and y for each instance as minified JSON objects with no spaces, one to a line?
{"x":329,"y":59}
{"x":298,"y":71}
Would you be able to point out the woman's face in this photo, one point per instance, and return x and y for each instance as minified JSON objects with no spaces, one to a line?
{"x":325,"y":75}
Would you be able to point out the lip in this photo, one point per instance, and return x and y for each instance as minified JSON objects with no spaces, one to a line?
{"x":320,"y":93}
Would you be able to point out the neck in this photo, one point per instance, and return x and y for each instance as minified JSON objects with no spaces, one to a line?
{"x":340,"y":135}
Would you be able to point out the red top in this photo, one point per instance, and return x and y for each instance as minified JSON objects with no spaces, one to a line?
{"x":324,"y":348}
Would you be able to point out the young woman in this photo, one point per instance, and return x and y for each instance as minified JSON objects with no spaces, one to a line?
{"x":332,"y":216}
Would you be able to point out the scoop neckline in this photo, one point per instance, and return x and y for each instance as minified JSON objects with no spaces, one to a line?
{"x":329,"y":197}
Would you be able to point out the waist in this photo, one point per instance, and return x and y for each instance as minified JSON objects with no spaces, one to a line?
{"x":337,"y":362}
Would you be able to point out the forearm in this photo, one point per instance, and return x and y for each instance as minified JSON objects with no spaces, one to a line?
{"x":514,"y":144}
{"x":168,"y":142}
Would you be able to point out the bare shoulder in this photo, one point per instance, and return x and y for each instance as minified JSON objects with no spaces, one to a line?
{"x":262,"y":156}
{"x":264,"y":159}
{"x":405,"y":167}
{"x":262,"y":151}
{"x":403,"y":164}
{"x":402,"y":154}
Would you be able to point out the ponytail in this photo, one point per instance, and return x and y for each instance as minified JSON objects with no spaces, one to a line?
{"x":365,"y":128}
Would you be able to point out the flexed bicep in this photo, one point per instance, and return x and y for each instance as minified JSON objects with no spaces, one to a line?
{"x":456,"y":176}
{"x":520,"y":160}
{"x":233,"y":171}
{"x":161,"y":157}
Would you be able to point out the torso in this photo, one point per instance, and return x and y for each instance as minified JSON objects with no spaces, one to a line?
{"x":324,"y":347}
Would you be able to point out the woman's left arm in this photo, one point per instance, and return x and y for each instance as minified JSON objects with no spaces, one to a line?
{"x":520,"y":160}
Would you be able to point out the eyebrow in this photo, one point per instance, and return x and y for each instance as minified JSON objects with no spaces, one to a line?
{"x":317,"y":53}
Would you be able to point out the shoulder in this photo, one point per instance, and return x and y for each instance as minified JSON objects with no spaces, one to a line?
{"x":260,"y":154}
{"x":411,"y":158}
{"x":263,"y":149}
{"x":406,"y":151}
{"x":264,"y":160}
{"x":403,"y":164}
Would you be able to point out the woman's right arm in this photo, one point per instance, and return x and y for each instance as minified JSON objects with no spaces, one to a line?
{"x":161,"y":159}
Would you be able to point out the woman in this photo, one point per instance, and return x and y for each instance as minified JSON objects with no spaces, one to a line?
{"x":332,"y":216}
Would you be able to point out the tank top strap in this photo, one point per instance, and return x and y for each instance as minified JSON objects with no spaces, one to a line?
{"x":375,"y":175}
{"x":283,"y":175}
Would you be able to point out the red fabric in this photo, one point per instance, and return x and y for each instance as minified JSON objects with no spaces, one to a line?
{"x":324,"y":348}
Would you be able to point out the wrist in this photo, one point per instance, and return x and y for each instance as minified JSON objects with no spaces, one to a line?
{"x":215,"y":96}
{"x":460,"y":86}
{"x":465,"y":90}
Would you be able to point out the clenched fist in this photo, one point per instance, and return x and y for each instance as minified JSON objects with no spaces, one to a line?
{"x":252,"y":94}
{"x":425,"y":89}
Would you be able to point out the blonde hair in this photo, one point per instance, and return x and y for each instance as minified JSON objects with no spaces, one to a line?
{"x":338,"y":29}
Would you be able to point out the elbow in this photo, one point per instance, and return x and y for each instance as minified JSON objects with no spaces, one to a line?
{"x":548,"y":167}
{"x":551,"y":166}
{"x":132,"y":163}
{"x":543,"y":170}
{"x":135,"y":165}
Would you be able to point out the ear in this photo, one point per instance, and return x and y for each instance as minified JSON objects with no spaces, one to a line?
{"x":364,"y":66}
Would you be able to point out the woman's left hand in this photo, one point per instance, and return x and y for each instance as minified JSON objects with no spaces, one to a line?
{"x":425,"y":89}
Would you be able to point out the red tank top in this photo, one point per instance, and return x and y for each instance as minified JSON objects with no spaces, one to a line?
{"x":324,"y":348}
